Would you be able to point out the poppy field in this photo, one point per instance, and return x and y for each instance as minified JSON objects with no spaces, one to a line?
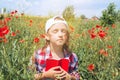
{"x":97,"y":47}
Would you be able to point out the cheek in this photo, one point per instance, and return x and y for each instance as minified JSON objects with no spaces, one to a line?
{"x":52,"y":38}
{"x":65,"y":37}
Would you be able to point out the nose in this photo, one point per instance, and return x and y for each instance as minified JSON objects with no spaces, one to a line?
{"x":60,"y":33}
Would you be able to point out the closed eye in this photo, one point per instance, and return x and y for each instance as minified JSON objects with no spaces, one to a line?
{"x":55,"y":31}
{"x":64,"y":31}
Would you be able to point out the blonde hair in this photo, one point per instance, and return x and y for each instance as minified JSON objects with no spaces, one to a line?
{"x":65,"y":46}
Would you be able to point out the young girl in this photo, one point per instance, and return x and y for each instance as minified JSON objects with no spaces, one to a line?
{"x":57,"y":38}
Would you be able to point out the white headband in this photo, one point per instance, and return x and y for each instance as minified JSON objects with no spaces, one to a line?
{"x":52,"y":21}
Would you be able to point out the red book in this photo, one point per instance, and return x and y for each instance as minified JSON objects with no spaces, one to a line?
{"x":64,"y":63}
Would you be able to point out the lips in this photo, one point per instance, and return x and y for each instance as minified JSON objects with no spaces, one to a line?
{"x":60,"y":39}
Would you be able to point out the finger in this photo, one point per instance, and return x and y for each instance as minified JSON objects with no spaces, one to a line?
{"x":63,"y":74}
{"x":36,"y":76}
{"x":58,"y":72}
{"x":58,"y":77}
{"x":62,"y":69}
{"x":56,"y":67}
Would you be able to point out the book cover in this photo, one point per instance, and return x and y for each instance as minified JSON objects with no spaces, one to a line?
{"x":64,"y":63}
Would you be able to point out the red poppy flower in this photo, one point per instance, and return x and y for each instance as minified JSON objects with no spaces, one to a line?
{"x":17,"y":31}
{"x":93,"y":29}
{"x":4,"y":31}
{"x":21,"y":41}
{"x":119,"y":41}
{"x":36,"y":40}
{"x":30,"y":24}
{"x":91,"y":67}
{"x":71,"y":28}
{"x":42,"y":36}
{"x":98,"y":26}
{"x":92,"y":35}
{"x":89,"y":31}
{"x":16,"y":17}
{"x":107,"y":28}
{"x":102,"y":34}
{"x":12,"y":13}
{"x":13,"y":34}
{"x":113,"y":25}
{"x":31,"y":21}
{"x":5,"y":40}
{"x":110,"y":47}
{"x":103,"y":52}
{"x":77,"y":35}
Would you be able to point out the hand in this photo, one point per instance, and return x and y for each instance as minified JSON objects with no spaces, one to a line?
{"x":64,"y":75}
{"x":53,"y":72}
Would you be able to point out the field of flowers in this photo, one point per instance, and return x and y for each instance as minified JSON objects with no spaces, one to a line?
{"x":97,"y":47}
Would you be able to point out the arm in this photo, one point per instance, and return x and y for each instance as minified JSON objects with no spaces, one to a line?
{"x":74,"y":67}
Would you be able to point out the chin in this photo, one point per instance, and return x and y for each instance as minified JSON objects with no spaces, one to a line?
{"x":60,"y":44}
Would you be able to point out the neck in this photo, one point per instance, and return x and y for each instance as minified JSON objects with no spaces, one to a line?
{"x":57,"y":51}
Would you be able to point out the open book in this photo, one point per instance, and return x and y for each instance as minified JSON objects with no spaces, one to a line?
{"x":64,"y":63}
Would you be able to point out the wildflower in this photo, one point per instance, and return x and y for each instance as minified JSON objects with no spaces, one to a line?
{"x":21,"y":41}
{"x":36,"y":40}
{"x":42,"y":36}
{"x":16,"y":17}
{"x":107,"y":28}
{"x":103,"y":52}
{"x":12,"y":13}
{"x":91,"y":67}
{"x":17,"y":31}
{"x":13,"y":34}
{"x":97,"y":26}
{"x":30,"y":21}
{"x":101,"y":34}
{"x":113,"y":25}
{"x":92,"y":35}
{"x":93,"y":29}
{"x":77,"y":35}
{"x":71,"y":28}
{"x":110,"y":47}
{"x":5,"y":40}
{"x":4,"y":31}
{"x":119,"y":41}
{"x":30,"y":24}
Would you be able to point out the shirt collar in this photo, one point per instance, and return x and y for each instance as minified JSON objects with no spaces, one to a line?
{"x":48,"y":51}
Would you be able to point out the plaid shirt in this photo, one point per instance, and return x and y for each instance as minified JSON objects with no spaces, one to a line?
{"x":40,"y":58}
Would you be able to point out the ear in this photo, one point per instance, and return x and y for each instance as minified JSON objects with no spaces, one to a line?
{"x":47,"y":37}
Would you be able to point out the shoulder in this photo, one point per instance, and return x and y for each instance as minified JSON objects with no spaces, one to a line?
{"x":73,"y":57}
{"x":38,"y":53}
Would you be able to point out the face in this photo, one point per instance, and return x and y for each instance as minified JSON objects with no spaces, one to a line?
{"x":57,"y":34}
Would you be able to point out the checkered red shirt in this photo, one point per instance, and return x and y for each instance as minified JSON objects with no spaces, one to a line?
{"x":40,"y":61}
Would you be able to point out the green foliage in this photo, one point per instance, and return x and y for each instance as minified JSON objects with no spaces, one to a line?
{"x":68,"y":13}
{"x":109,"y":16}
{"x":118,"y":15}
{"x":82,"y":17}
